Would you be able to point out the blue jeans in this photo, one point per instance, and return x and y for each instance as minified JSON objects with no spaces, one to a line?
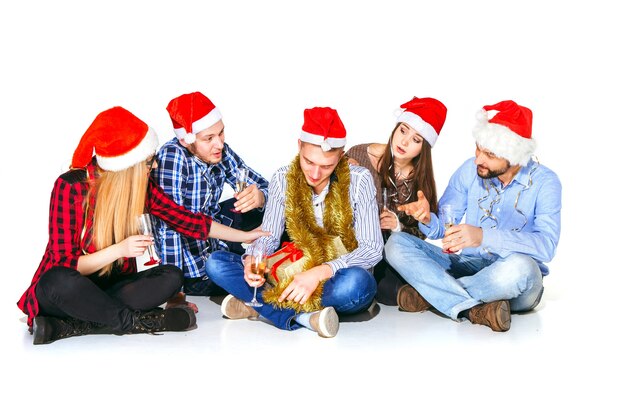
{"x":349,"y":291}
{"x":452,"y":283}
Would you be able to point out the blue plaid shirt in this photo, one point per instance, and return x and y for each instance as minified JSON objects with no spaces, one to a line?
{"x":198,"y":187}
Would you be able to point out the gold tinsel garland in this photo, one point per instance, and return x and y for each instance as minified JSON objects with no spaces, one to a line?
{"x":314,"y":241}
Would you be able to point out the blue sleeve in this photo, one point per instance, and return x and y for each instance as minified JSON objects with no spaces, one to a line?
{"x":455,"y":195}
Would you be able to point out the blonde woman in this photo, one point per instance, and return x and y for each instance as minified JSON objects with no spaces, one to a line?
{"x":87,"y":281}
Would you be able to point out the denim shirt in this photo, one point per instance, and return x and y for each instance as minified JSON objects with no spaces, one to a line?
{"x":533,"y":228}
{"x":197,"y":186}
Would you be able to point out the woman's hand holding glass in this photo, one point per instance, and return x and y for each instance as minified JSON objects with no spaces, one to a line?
{"x":134,"y":246}
{"x":144,"y":222}
{"x":388,"y":220}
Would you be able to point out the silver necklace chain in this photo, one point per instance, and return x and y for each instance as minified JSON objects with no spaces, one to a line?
{"x":488,"y":212}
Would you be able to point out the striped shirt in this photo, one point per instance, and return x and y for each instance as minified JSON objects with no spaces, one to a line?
{"x":198,"y":187}
{"x":365,"y":218}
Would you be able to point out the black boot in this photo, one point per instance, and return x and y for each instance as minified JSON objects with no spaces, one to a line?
{"x":175,"y":319}
{"x":48,"y":329}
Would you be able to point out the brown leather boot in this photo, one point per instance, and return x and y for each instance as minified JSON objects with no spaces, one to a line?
{"x":496,"y":315}
{"x":410,"y":300}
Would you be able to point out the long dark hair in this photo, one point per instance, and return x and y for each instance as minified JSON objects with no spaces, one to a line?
{"x":423,"y":176}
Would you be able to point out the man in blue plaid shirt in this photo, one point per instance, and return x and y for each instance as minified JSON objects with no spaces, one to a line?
{"x":192,"y":169}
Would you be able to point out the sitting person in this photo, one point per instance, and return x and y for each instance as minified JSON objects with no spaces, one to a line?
{"x":512,"y":209}
{"x":402,"y":169}
{"x":87,"y":281}
{"x":317,"y":198}
{"x":193,"y":169}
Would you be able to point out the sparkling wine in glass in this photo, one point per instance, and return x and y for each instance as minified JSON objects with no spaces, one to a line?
{"x":145,"y":228}
{"x":385,"y":199}
{"x":258,"y":265}
{"x":447,"y":216}
{"x":241,"y":182}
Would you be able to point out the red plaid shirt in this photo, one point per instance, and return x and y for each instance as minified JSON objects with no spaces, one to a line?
{"x":67,"y":242}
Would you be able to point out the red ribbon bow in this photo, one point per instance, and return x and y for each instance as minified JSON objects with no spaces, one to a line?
{"x":289,"y":252}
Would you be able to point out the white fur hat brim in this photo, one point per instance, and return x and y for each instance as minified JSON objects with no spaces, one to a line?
{"x":502,"y":141}
{"x":141,"y":152}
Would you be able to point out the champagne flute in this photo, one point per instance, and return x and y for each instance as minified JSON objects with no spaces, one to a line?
{"x":447,"y":216}
{"x":241,"y":178}
{"x":145,"y":228}
{"x":385,"y":199}
{"x":258,"y":265}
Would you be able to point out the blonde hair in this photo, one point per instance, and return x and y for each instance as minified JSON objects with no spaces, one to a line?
{"x":120,"y":198}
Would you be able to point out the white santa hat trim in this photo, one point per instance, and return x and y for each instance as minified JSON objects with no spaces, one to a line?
{"x":502,"y":141}
{"x":423,"y":128}
{"x":147,"y":147}
{"x":199,"y":125}
{"x":325,"y":143}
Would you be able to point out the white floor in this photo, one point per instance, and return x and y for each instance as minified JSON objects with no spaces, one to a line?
{"x":557,"y":359}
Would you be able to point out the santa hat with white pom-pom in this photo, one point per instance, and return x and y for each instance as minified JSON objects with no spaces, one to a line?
{"x":505,"y":128}
{"x":192,"y":113}
{"x":322,"y":126}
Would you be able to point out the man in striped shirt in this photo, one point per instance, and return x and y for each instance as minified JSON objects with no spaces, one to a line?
{"x":192,"y":169}
{"x":308,"y":200}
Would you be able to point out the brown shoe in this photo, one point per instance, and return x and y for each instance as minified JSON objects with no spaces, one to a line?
{"x":234,"y":309}
{"x":496,"y":315}
{"x":410,"y":300}
{"x":325,"y":322}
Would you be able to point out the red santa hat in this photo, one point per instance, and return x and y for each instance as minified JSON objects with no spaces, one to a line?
{"x":192,"y":113}
{"x":425,"y":115}
{"x":322,"y":126}
{"x":119,"y":140}
{"x":505,"y":129}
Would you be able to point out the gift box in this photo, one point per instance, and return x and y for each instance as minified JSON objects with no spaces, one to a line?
{"x":289,"y":260}
{"x":283,"y":265}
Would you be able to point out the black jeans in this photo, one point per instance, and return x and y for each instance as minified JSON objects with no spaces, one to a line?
{"x":110,"y":301}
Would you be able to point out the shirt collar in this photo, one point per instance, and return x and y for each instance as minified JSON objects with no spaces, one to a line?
{"x":523,"y":175}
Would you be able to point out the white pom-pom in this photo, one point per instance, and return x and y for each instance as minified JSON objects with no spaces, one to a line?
{"x":190,"y":138}
{"x":325,"y":146}
{"x":481,"y":115}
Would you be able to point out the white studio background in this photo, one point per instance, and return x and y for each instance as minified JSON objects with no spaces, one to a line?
{"x":263,"y":63}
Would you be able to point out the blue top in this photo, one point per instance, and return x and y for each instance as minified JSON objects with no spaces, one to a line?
{"x":198,"y":187}
{"x":533,"y":228}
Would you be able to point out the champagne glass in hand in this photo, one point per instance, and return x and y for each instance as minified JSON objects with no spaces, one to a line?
{"x":447,"y":216}
{"x":385,"y":199}
{"x":145,"y":228}
{"x":258,"y":264}
{"x":241,"y":182}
